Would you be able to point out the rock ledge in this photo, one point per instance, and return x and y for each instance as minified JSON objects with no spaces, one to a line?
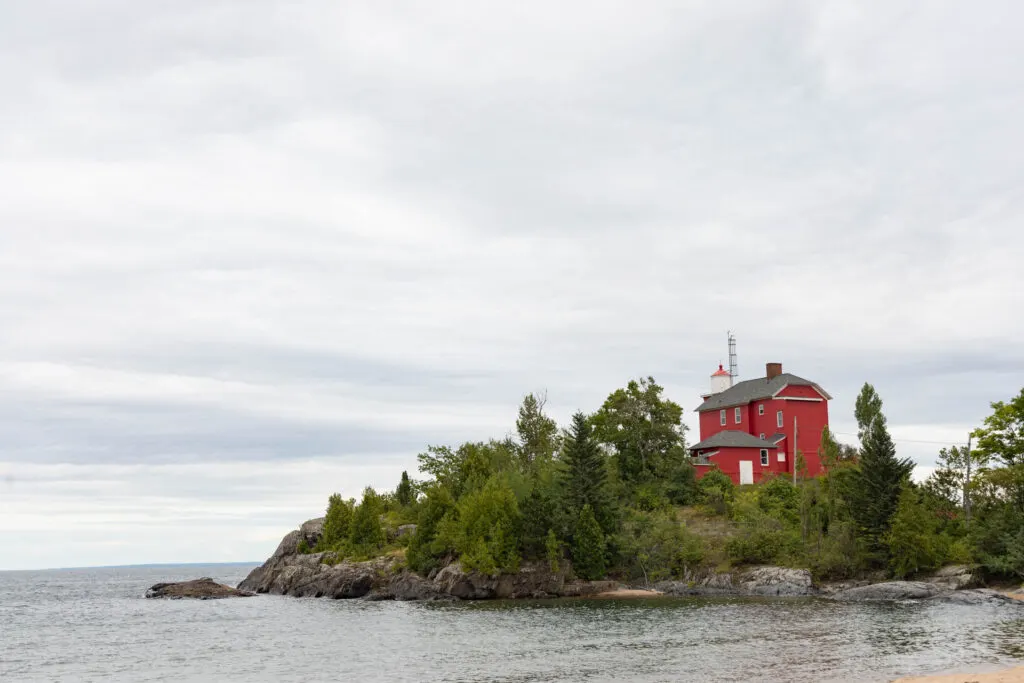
{"x":198,"y":589}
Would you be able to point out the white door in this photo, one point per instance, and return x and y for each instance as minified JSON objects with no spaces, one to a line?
{"x":746,"y":471}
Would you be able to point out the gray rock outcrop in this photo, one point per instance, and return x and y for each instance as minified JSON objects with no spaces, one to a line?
{"x":890,"y":590}
{"x":979,"y":596}
{"x":765,"y":580}
{"x":956,"y":577}
{"x":197,"y":589}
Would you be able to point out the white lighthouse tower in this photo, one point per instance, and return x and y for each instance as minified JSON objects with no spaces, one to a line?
{"x":720,"y":380}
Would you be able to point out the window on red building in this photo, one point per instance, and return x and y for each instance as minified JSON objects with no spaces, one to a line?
{"x":721,"y":417}
{"x":739,"y":415}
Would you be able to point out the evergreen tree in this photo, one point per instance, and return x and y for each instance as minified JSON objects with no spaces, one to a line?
{"x":874,"y":490}
{"x":588,"y":546}
{"x":404,"y":493}
{"x":538,"y":520}
{"x":586,"y":474}
{"x":337,"y":523}
{"x":366,"y":535}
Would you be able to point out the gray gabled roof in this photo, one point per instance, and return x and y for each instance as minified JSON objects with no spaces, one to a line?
{"x":732,"y":439}
{"x":754,"y":389}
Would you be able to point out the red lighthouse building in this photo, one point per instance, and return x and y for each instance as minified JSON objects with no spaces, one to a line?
{"x":754,"y":429}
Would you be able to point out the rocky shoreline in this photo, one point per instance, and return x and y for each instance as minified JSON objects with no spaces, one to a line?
{"x":289,"y":572}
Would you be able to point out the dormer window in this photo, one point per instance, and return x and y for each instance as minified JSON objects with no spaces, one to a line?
{"x":721,"y":417}
{"x":739,"y":415}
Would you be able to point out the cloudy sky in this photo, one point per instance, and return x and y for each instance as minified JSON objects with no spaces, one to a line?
{"x":255,"y":252}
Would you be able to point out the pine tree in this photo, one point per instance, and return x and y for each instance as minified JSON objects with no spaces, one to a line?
{"x":588,"y":546}
{"x":874,"y":489}
{"x":586,"y":473}
{"x":404,"y":493}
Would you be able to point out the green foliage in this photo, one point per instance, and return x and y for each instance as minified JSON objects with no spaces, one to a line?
{"x":716,"y":491}
{"x":649,"y":497}
{"x":585,"y":474}
{"x":915,"y":543}
{"x":366,"y":535}
{"x":553,"y":550}
{"x":538,"y":434}
{"x":302,"y":547}
{"x":874,"y":489}
{"x":337,"y":523}
{"x":485,"y":531}
{"x":470,"y":465}
{"x":867,"y":409}
{"x":1002,"y":440}
{"x":404,"y":494}
{"x":539,"y":512}
{"x":657,"y":546}
{"x":425,"y":550}
{"x":588,"y":546}
{"x":643,"y":428}
{"x":681,"y":487}
{"x":766,"y":523}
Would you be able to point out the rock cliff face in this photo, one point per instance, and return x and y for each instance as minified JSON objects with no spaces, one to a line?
{"x":288,"y":572}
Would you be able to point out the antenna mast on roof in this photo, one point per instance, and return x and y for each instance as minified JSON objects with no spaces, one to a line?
{"x":732,"y":358}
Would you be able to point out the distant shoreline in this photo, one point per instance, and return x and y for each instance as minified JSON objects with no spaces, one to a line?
{"x":135,"y":566}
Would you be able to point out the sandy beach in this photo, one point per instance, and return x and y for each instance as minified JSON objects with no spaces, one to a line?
{"x":629,"y":593}
{"x":1014,"y":675}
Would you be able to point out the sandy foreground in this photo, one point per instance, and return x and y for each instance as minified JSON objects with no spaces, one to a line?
{"x":1015,"y":675}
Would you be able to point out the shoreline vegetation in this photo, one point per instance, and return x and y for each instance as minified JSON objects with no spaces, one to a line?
{"x":614,"y":496}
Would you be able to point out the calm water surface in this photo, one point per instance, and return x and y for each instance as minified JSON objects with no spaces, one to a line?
{"x":94,"y":625}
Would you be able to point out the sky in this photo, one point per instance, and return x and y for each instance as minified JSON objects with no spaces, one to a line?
{"x":253,"y":252}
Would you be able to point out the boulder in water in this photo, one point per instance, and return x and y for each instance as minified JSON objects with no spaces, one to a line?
{"x":979,"y":596}
{"x":198,"y":589}
{"x":890,"y":590}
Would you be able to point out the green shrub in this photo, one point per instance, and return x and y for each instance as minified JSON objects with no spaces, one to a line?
{"x":485,"y":531}
{"x":649,"y":498}
{"x":303,"y":548}
{"x":717,"y":491}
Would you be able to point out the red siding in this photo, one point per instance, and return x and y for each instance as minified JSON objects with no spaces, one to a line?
{"x":811,"y":417}
{"x":728,"y":460}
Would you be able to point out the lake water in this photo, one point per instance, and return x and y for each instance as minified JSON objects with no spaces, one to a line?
{"x":94,"y":625}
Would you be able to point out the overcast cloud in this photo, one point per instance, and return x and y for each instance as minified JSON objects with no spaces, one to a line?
{"x":255,"y":252}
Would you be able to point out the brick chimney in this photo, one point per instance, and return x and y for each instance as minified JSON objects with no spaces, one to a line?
{"x":773,"y":370}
